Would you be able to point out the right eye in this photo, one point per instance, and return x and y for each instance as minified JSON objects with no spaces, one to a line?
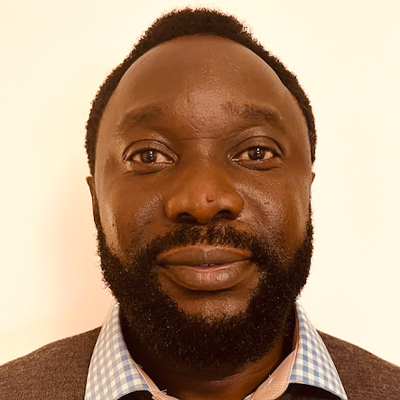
{"x":150,"y":156}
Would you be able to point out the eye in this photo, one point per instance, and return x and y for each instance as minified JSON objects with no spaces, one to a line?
{"x":147,"y":156}
{"x":150,"y":156}
{"x":259,"y":156}
{"x":256,"y":153}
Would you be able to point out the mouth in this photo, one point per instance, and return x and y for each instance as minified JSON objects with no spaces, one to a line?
{"x":206,"y":268}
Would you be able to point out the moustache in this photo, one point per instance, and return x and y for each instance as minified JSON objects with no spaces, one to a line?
{"x":217,"y":235}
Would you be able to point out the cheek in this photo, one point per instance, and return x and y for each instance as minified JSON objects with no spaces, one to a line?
{"x":278,"y":208}
{"x":126,"y":215}
{"x":296,"y":211}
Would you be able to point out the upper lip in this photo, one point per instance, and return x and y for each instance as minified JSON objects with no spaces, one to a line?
{"x":202,"y":255}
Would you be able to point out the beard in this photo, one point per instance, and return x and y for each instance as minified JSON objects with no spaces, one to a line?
{"x":156,"y":321}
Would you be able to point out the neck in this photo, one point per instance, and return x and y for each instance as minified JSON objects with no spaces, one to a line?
{"x":216,"y":383}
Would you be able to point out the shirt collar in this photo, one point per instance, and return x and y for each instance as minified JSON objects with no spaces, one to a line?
{"x":313,"y":364}
{"x":113,"y":373}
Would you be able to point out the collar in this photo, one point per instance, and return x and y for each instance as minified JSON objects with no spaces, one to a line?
{"x":313,"y":364}
{"x":113,"y":373}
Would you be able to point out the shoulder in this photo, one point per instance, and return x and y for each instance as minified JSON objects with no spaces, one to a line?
{"x":364,"y":375}
{"x":53,"y":371}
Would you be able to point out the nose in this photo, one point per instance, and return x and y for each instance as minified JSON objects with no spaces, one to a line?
{"x":200,"y":197}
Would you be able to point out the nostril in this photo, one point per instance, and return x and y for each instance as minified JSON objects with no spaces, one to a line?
{"x":223,"y":214}
{"x":186,"y":218}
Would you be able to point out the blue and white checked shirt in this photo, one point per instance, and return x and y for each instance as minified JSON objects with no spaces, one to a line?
{"x":113,"y":373}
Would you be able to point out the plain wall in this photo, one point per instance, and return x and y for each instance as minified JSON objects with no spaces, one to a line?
{"x":55,"y":54}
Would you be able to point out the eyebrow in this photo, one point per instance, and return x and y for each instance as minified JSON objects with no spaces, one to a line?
{"x":133,"y":117}
{"x":254,"y":113}
{"x":246,"y":111}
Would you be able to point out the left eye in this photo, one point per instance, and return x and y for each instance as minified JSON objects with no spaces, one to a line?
{"x":256,"y":153}
{"x":150,"y":156}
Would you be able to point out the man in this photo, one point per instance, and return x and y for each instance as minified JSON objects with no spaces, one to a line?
{"x":200,"y":147}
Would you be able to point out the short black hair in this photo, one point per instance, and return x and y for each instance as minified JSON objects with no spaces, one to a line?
{"x":187,"y":22}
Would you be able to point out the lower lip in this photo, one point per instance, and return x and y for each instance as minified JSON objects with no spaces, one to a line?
{"x":213,"y":278}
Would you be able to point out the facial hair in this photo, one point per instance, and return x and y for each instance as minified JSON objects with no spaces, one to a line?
{"x":156,"y":320}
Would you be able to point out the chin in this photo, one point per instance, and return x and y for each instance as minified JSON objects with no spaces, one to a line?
{"x":214,"y":307}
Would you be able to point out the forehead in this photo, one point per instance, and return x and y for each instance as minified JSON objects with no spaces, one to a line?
{"x":199,"y":78}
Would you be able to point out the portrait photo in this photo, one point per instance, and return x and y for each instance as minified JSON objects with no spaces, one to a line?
{"x":254,"y":146}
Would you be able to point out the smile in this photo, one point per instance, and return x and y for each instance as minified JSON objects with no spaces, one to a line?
{"x":206,"y":268}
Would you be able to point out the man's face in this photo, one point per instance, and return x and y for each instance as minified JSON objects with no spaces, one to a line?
{"x":200,"y":145}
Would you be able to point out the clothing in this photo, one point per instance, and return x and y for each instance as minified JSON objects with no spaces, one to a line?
{"x":113,"y":373}
{"x":59,"y":371}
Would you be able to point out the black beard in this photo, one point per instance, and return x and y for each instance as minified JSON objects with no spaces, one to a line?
{"x":156,"y":321}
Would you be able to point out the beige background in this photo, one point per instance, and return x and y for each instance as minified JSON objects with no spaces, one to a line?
{"x":55,"y":54}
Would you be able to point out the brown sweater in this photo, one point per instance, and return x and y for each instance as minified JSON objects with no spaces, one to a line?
{"x":58,"y":371}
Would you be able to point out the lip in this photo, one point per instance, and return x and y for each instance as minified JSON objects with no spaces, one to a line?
{"x":202,"y":256}
{"x":206,"y":268}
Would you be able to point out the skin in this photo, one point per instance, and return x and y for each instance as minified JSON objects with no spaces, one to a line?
{"x":197,"y":101}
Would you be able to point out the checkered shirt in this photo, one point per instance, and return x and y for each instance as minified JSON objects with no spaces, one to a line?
{"x":113,"y":373}
{"x":313,"y":365}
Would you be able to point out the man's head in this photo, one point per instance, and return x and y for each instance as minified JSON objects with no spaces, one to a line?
{"x":201,"y":193}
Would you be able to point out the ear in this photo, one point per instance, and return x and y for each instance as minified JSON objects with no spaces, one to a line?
{"x":92,"y":188}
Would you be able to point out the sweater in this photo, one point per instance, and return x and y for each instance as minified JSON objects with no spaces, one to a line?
{"x":58,"y":371}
